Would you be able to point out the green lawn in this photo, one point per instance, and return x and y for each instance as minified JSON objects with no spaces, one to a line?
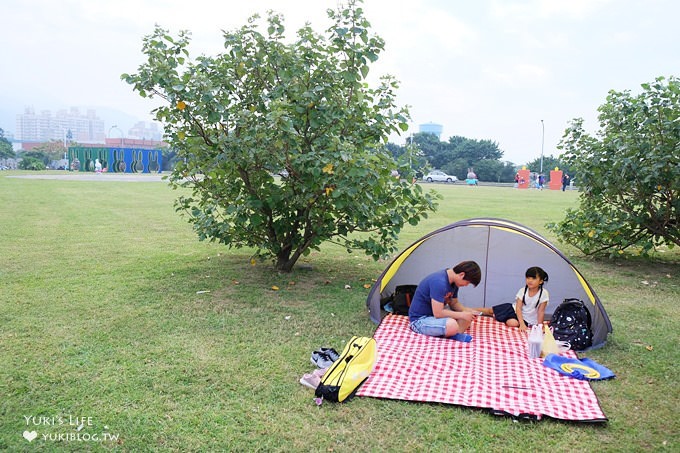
{"x":114,"y":316}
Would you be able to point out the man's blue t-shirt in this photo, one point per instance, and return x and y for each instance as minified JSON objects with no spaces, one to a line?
{"x":435,"y":286}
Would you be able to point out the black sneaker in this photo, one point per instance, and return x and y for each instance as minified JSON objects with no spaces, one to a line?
{"x":320,"y":359}
{"x":331,"y":353}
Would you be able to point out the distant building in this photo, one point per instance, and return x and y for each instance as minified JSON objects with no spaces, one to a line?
{"x":64,"y":125}
{"x":145,"y":131}
{"x":136,"y":143}
{"x":432,"y":128}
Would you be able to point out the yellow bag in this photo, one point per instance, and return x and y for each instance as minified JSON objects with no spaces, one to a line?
{"x":549,"y":343}
{"x":347,"y":373}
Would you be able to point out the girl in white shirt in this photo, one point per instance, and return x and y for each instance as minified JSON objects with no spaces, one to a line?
{"x":530,"y":302}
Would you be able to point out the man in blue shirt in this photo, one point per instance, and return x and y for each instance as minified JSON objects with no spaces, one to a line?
{"x":435,"y":309}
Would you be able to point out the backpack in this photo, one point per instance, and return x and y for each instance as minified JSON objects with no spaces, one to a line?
{"x":401,"y":299}
{"x":349,"y":371}
{"x":571,"y":322}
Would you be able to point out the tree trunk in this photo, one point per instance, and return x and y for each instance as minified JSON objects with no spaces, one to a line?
{"x":284,"y":260}
{"x":285,"y":264}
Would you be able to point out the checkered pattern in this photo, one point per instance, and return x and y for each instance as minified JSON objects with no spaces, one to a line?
{"x":493,"y":371}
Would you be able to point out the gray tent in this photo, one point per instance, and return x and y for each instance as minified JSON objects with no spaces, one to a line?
{"x":504,"y":251}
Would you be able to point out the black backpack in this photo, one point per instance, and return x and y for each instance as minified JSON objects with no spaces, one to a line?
{"x":571,"y":322}
{"x":400,"y":299}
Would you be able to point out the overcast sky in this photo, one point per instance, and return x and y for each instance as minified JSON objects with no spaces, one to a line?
{"x":484,"y":69}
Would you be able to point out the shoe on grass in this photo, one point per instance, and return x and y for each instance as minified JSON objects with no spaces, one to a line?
{"x":331,"y":353}
{"x":310,"y":380}
{"x":321,"y":359}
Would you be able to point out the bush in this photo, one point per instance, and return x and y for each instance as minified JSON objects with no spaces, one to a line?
{"x":629,"y":176}
{"x":31,"y":163}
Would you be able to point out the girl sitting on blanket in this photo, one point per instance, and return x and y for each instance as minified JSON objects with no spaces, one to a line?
{"x":532,"y":299}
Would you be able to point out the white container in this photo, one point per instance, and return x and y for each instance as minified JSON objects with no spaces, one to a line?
{"x":535,"y":349}
{"x":535,"y":341}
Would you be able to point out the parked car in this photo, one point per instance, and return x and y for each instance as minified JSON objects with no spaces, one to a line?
{"x":438,"y":175}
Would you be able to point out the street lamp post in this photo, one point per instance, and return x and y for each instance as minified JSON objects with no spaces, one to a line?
{"x":68,"y":167}
{"x":68,"y":138}
{"x":542,"y":142}
{"x":122,"y":136}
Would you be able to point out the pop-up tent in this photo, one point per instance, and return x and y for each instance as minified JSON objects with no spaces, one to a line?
{"x":504,"y":250}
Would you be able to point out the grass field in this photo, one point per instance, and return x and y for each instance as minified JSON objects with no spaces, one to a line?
{"x":114,"y":317}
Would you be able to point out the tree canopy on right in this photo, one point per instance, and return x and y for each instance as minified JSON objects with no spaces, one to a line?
{"x":628,"y":174}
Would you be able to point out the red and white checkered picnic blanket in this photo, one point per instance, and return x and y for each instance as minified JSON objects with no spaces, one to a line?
{"x":493,"y":371}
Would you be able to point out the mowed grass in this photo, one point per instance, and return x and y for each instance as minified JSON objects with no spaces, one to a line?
{"x":114,"y":316}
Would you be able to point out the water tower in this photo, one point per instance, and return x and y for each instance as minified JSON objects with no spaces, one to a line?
{"x":431,"y":128}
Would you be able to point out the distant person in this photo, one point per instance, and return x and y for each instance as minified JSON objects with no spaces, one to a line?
{"x":75,"y":165}
{"x":541,"y":181}
{"x":471,"y":179}
{"x":435,"y":309}
{"x":516,"y":180}
{"x":565,"y":181}
{"x":530,"y":303}
{"x":97,"y":166}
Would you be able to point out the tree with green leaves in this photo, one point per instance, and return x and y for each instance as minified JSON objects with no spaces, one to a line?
{"x":409,"y":153}
{"x":36,"y":155}
{"x":431,"y":148}
{"x":495,"y":170}
{"x":475,"y":150}
{"x":52,"y":150}
{"x":283,"y":144}
{"x":31,"y":163}
{"x":549,"y":163}
{"x":6,"y":150}
{"x":629,"y":175}
{"x":460,"y":154}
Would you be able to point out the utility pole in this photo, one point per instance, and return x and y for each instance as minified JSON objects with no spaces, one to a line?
{"x":542,"y":143}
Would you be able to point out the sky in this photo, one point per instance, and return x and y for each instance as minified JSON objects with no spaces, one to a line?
{"x":515,"y":72}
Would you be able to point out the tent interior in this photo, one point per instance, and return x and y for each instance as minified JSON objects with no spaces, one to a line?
{"x":504,"y":250}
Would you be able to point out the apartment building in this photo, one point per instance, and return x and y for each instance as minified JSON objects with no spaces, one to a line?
{"x":64,"y":125}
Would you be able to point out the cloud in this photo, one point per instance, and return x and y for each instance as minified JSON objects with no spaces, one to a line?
{"x":489,"y":69}
{"x":517,"y":74}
